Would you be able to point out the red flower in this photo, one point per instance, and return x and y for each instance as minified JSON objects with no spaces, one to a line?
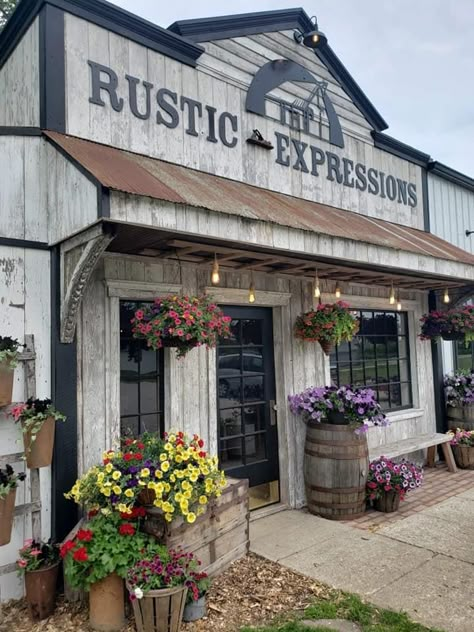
{"x":92,"y":513}
{"x":127,"y":456}
{"x":84,"y":535}
{"x":106,"y":461}
{"x":138,"y":456}
{"x":66,"y":547}
{"x":141,"y":446}
{"x":201,"y":443}
{"x":81,"y":555}
{"x":127,"y":529}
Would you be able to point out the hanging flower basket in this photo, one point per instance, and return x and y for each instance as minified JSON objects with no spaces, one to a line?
{"x":8,"y":484}
{"x":8,"y":361}
{"x":453,"y":324}
{"x":182,"y":322}
{"x":329,"y":324}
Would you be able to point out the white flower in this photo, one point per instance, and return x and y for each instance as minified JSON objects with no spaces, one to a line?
{"x":138,"y":593}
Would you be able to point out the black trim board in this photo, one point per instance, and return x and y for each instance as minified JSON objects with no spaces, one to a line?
{"x":11,"y":242}
{"x":227,"y":26}
{"x":445,"y":172}
{"x":52,"y":64}
{"x":106,"y":15}
{"x":402,"y":150}
{"x":20,"y":131}
{"x":437,"y":363}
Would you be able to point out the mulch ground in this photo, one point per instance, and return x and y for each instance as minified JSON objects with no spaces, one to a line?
{"x":251,"y":592}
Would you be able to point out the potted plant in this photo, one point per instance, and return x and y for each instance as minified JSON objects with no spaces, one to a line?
{"x":462,"y":442}
{"x":453,"y":324}
{"x":8,"y":484}
{"x":97,"y":560}
{"x":39,"y":564}
{"x":37,"y":418}
{"x":8,"y":361}
{"x":459,"y":396}
{"x":388,"y":482}
{"x":160,"y":584}
{"x":198,"y":585}
{"x":181,"y":321}
{"x":329,"y":324}
{"x":339,"y":405}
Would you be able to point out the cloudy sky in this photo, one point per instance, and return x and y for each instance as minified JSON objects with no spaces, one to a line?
{"x":414,"y":59}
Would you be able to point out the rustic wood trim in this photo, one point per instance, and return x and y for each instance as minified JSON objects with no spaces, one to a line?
{"x":231,"y":296}
{"x":140,"y":290}
{"x":369,"y":302}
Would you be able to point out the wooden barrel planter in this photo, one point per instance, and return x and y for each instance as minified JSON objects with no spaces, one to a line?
{"x":336,"y":465}
{"x":461,"y":417}
{"x":464,"y":456}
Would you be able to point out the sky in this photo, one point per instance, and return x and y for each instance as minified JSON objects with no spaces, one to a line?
{"x":414,"y":59}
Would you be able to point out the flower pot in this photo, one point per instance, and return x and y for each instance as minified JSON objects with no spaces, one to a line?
{"x":195,"y":610}
{"x":172,"y":341}
{"x":40,"y":452}
{"x":388,"y":502}
{"x":337,"y":418}
{"x":461,"y":416}
{"x":464,"y":456}
{"x":7,"y":509}
{"x":6,"y":383}
{"x":168,"y":606}
{"x":146,"y":497}
{"x":106,"y":604}
{"x":326,"y":346}
{"x":454,"y":335}
{"x":40,"y":588}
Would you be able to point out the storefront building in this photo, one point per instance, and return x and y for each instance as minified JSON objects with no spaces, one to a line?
{"x":132,"y":158}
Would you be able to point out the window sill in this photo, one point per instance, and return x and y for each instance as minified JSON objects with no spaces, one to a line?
{"x":402,"y":415}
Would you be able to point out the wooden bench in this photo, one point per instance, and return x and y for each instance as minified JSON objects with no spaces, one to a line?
{"x":428,"y":441}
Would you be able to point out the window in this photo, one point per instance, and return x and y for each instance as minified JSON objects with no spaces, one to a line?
{"x":141,"y":380}
{"x":378,"y":357}
{"x":463,"y":356}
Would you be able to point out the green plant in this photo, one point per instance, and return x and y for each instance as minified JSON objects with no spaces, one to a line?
{"x":460,"y":321}
{"x":9,"y":480}
{"x":36,"y":555}
{"x":329,"y":322}
{"x":9,"y":350}
{"x":108,"y":544}
{"x":33,"y":414}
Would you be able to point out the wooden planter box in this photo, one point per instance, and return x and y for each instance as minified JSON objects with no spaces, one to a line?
{"x":218,"y":537}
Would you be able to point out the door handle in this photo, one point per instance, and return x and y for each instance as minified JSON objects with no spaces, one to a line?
{"x":273,"y":412}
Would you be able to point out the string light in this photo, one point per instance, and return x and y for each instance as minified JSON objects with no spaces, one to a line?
{"x":215,"y":278}
{"x":252,"y":291}
{"x":317,"y":289}
{"x":338,"y":291}
{"x":392,"y":298}
{"x":446,"y":297}
{"x":399,"y":303}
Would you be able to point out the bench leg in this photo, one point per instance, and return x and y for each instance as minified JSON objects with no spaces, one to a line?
{"x":449,"y":457}
{"x":431,"y":456}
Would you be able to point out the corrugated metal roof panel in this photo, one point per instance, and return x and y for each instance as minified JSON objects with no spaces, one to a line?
{"x":140,"y":175}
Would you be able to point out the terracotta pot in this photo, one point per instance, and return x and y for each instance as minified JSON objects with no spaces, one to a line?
{"x":337,"y":418}
{"x":167,"y":605}
{"x":6,"y":383}
{"x":326,"y":346}
{"x":464,"y":456}
{"x":40,"y":452}
{"x":106,"y":604}
{"x":40,"y":588}
{"x":388,"y":502}
{"x":7,"y":508}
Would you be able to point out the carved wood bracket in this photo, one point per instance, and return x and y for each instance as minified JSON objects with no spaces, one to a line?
{"x":79,"y":257}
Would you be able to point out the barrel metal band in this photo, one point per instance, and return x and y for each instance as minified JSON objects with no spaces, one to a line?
{"x":351,"y":444}
{"x":337,"y":490}
{"x":355,"y":505}
{"x":331,"y":457}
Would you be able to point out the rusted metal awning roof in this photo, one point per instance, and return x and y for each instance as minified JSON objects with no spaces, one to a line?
{"x":140,"y":175}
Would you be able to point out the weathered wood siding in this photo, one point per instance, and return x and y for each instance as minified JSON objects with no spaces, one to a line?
{"x":24,"y":309}
{"x":19,"y":82}
{"x":221,"y":80}
{"x":451,"y":212}
{"x":190,"y":400}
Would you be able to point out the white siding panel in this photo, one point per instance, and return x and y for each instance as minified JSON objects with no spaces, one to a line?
{"x":451,"y":212}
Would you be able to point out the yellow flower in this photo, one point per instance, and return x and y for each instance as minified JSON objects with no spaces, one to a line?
{"x":186,"y":485}
{"x":129,"y":493}
{"x":202,"y":500}
{"x":187,"y":494}
{"x":205,"y":471}
{"x":106,"y":491}
{"x":158,"y":503}
{"x":117,"y":490}
{"x":168,"y":447}
{"x":201,"y":511}
{"x":163,"y":457}
{"x":109,"y":467}
{"x":123,"y":508}
{"x":159,"y":474}
{"x":165,"y":466}
{"x":168,"y":517}
{"x":116,"y":475}
{"x":173,"y":478}
{"x":100,"y":477}
{"x":178,"y":459}
{"x":172,"y":438}
{"x":167,"y":487}
{"x":145,"y":472}
{"x":168,"y":507}
{"x":191,"y":517}
{"x":178,"y":497}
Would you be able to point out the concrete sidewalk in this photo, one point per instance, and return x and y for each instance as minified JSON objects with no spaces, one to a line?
{"x":423,"y":564}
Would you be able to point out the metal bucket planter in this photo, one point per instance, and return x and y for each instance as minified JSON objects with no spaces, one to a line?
{"x":6,"y":383}
{"x":40,"y":452}
{"x":195,"y":610}
{"x":464,"y":456}
{"x":40,"y":588}
{"x":160,"y":610}
{"x":7,"y":509}
{"x":336,"y":418}
{"x":388,"y":502}
{"x":107,"y":604}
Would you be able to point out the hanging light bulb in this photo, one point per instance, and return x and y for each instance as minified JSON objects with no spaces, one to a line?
{"x":446,"y":297}
{"x":338,"y":290}
{"x":252,"y":291}
{"x":215,"y":278}
{"x":399,"y":303}
{"x":392,"y":298}
{"x":317,"y":289}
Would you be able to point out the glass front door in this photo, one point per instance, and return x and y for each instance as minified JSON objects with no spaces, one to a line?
{"x":248,"y":442}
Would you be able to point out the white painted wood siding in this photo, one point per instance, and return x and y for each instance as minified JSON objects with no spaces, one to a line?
{"x":221,"y":80}
{"x":19,"y":82}
{"x":25,"y":300}
{"x":451,"y":212}
{"x":190,"y":401}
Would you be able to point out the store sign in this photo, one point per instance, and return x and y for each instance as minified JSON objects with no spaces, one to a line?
{"x":304,"y":116}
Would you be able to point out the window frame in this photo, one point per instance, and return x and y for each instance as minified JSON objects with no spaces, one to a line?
{"x":456,"y":355}
{"x":411,"y":384}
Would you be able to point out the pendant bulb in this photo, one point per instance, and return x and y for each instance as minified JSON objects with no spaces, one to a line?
{"x":399,"y":303}
{"x":252,"y":291}
{"x":317,"y":289}
{"x":338,"y":291}
{"x":215,"y":277}
{"x":446,"y":297}
{"x":392,"y":298}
